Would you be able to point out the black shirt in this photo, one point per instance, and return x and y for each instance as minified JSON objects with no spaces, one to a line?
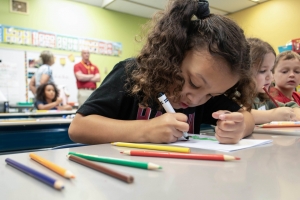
{"x":112,"y":101}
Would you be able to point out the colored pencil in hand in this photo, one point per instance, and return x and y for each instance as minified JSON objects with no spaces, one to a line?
{"x":35,"y":174}
{"x":130,"y":163}
{"x":218,"y":157}
{"x":153,"y":147}
{"x":115,"y":174}
{"x":57,"y":169}
{"x":272,"y":99}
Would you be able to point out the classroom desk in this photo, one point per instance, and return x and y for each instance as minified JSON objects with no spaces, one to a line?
{"x":37,"y":114}
{"x":267,"y":172}
{"x":21,"y":107}
{"x":32,"y":134}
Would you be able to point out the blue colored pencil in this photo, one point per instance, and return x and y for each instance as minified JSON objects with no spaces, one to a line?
{"x":35,"y":174}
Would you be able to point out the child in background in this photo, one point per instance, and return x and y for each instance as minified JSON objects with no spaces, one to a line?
{"x":262,"y":63}
{"x":199,"y":60}
{"x":287,"y":77}
{"x":47,"y":98}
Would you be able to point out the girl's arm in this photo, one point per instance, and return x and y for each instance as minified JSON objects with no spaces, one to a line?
{"x":64,"y":107}
{"x":49,"y":105}
{"x":276,"y":114}
{"x":96,"y":129}
{"x":233,"y":126}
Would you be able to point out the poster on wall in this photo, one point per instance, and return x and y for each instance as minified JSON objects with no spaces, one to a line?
{"x":62,"y":71}
{"x":23,"y":36}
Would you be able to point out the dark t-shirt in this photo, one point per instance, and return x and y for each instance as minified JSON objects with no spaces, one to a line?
{"x":37,"y":102}
{"x":113,"y":101}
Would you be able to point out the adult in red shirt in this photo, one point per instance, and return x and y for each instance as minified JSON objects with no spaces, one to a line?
{"x":87,"y":75}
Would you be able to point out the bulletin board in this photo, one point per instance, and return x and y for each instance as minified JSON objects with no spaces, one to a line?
{"x":18,"y":66}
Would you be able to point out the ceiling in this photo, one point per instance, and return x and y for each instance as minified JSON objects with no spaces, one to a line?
{"x":146,"y":8}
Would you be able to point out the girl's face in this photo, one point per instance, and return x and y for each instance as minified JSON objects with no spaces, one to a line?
{"x":287,"y":74}
{"x":49,"y":92}
{"x":205,"y":76}
{"x":264,"y":76}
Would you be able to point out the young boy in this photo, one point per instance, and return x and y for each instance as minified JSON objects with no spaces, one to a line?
{"x":287,"y":77}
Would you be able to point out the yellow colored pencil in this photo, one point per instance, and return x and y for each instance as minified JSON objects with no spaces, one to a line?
{"x":153,"y":147}
{"x":61,"y":171}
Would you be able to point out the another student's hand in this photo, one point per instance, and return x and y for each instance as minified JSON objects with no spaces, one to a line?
{"x":230,"y":126}
{"x":283,"y":114}
{"x":166,"y":128}
{"x":58,"y":100}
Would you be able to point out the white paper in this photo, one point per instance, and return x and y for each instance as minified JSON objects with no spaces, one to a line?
{"x":211,"y":143}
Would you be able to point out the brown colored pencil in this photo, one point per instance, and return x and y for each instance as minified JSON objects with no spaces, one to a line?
{"x":115,"y":174}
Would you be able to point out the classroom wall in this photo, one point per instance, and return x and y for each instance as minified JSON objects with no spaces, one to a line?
{"x":275,"y":21}
{"x":77,"y":19}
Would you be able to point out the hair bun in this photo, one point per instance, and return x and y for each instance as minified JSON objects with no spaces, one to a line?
{"x":203,"y":9}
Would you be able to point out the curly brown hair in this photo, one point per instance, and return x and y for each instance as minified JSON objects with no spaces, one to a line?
{"x":173,"y":32}
{"x":40,"y":92}
{"x":258,"y":50}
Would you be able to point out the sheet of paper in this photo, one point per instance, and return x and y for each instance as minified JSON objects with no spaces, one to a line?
{"x":211,"y":143}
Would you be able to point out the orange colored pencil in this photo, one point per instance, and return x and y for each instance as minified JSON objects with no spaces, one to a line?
{"x":57,"y":169}
{"x":218,"y":157}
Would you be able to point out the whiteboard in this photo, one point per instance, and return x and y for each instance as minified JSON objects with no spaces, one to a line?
{"x":12,"y":75}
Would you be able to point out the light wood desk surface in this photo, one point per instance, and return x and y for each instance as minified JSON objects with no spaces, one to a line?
{"x":267,"y":172}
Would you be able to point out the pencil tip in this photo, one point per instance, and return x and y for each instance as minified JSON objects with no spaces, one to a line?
{"x":160,"y":167}
{"x":72,"y":176}
{"x":121,"y":152}
{"x":237,"y":158}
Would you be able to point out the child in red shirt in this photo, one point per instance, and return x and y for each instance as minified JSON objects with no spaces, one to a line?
{"x":287,"y":77}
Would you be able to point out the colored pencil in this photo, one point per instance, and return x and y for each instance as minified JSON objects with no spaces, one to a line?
{"x":130,"y":163}
{"x":218,"y":157}
{"x":277,"y":125}
{"x":272,"y":99}
{"x":35,"y":174}
{"x":285,"y":122}
{"x":153,"y":147}
{"x":97,"y":167}
{"x":57,"y":169}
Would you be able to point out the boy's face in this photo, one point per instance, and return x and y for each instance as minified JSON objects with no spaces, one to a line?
{"x":264,"y":75}
{"x":49,"y":92}
{"x":287,"y":74}
{"x":205,"y":76}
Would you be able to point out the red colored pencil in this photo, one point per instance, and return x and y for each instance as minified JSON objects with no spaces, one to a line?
{"x":218,"y":157}
{"x":276,"y":104}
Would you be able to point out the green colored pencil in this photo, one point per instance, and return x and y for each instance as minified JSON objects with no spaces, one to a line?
{"x":130,"y":163}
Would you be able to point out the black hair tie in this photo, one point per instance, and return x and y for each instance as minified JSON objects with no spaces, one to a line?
{"x":203,"y":9}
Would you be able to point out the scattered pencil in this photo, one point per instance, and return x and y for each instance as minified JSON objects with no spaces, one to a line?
{"x":153,"y":147}
{"x":130,"y":163}
{"x":35,"y":174}
{"x":115,"y":174}
{"x":217,"y":157}
{"x":57,"y":169}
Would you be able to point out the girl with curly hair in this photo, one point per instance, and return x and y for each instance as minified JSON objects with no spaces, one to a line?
{"x":262,"y":63}
{"x":47,"y":98}
{"x":199,"y":60}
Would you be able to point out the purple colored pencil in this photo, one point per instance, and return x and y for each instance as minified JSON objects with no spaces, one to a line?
{"x":35,"y":174}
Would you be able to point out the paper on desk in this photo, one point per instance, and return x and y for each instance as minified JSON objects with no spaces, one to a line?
{"x":211,"y":143}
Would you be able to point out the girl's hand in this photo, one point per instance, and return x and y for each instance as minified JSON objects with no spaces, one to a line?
{"x":230,"y":126}
{"x":58,"y":100}
{"x":283,"y":114}
{"x":166,"y":128}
